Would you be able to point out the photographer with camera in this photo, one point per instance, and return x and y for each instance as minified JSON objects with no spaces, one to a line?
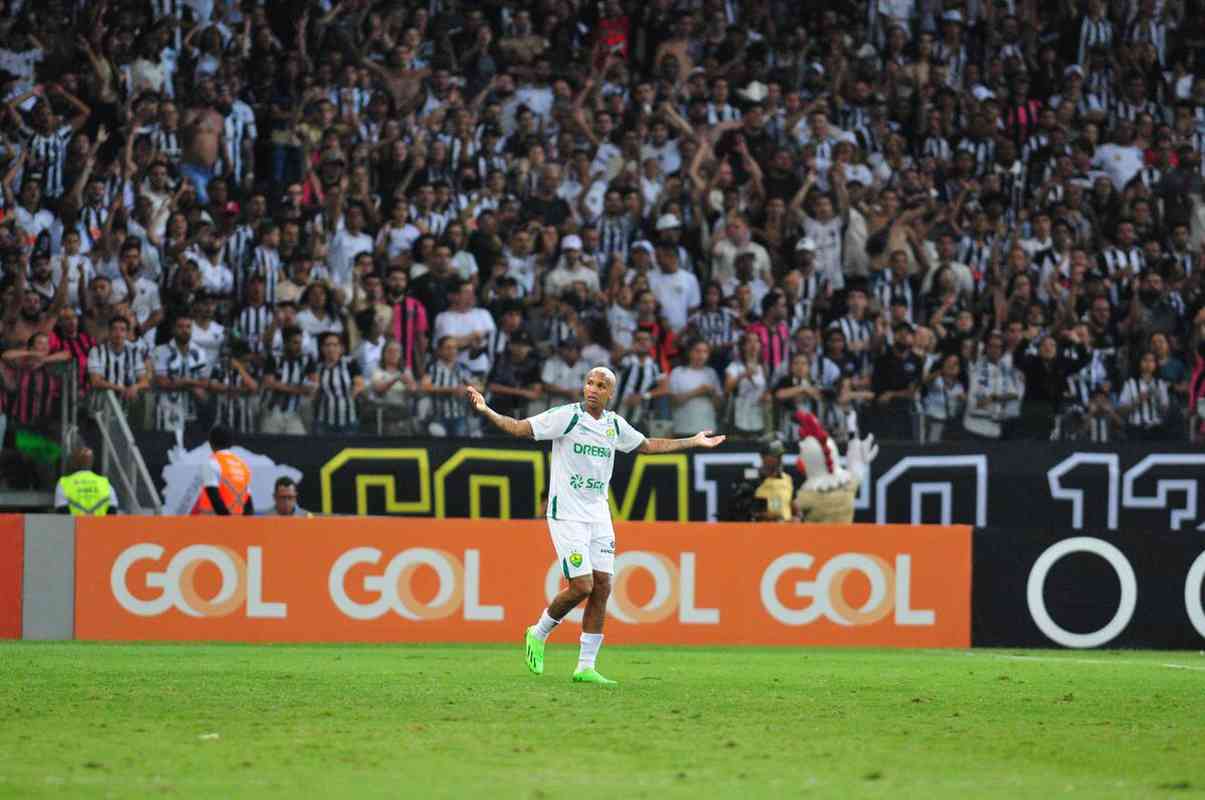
{"x":772,"y":499}
{"x":765,"y":493}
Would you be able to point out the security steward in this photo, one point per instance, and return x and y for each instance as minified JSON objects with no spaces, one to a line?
{"x":83,"y":493}
{"x":226,"y":480}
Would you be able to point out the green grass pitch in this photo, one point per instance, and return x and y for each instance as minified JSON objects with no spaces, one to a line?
{"x":220,"y":721}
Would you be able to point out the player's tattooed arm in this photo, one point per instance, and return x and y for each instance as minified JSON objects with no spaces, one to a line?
{"x":515,"y":427}
{"x":701,"y":439}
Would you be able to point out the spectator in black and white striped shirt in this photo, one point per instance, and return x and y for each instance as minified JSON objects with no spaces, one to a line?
{"x":1096,"y":31}
{"x":265,"y":259}
{"x":181,"y":378}
{"x":48,"y":138}
{"x":255,"y":317}
{"x":640,"y":381}
{"x":444,"y":383}
{"x":1145,"y":402}
{"x":339,"y":386}
{"x":117,"y":365}
{"x":234,"y":383}
{"x":286,"y":379}
{"x":717,"y":324}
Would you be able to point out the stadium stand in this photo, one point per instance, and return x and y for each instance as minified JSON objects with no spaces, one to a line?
{"x":926,"y":220}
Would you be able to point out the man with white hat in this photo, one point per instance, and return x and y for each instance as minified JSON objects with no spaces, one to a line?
{"x":951,"y":49}
{"x":675,"y":289}
{"x":669,"y":229}
{"x":571,"y":267}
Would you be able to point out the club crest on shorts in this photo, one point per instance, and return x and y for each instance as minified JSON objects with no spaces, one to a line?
{"x":575,"y":559}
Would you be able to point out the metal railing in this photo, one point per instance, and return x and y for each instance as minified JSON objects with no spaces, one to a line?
{"x":120,"y":459}
{"x":69,"y":433}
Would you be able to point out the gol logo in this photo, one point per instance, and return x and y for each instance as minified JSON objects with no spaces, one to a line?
{"x":673,"y":590}
{"x":459,"y":585}
{"x":242,"y":582}
{"x":890,"y":589}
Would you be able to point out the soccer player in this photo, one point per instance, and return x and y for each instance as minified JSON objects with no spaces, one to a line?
{"x":584,"y":439}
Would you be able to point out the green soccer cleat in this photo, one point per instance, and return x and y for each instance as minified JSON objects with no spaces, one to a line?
{"x":591,"y":676}
{"x":534,"y":652}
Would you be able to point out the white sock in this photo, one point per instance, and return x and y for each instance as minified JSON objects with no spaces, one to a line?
{"x":545,"y":626}
{"x":591,"y":642}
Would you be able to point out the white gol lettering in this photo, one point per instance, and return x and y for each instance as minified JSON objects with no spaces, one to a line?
{"x":890,"y":589}
{"x":1037,"y":583}
{"x":673,"y":590}
{"x":242,"y":583}
{"x":459,"y":586}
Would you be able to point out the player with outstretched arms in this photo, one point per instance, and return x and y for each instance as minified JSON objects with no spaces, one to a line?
{"x":584,"y":439}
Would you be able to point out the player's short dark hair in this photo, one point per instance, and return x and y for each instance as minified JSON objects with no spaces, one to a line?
{"x":284,"y":481}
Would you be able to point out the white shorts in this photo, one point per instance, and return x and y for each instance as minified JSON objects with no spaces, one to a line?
{"x":583,"y":547}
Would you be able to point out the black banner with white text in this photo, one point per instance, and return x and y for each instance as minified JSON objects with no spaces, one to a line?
{"x":1090,"y":590}
{"x":1038,"y":486}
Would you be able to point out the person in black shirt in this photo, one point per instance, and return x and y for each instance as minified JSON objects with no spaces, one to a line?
{"x":897,"y":374}
{"x":434,"y":288}
{"x":835,"y":350}
{"x":1046,"y":375}
{"x":515,"y":378}
{"x":545,"y":205}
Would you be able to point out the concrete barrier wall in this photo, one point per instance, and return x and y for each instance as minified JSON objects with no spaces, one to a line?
{"x":48,"y":578}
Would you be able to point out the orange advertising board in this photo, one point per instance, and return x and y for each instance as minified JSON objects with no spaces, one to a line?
{"x":12,"y":566}
{"x":391,"y":580}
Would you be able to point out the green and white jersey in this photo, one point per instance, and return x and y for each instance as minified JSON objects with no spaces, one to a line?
{"x":583,"y":456}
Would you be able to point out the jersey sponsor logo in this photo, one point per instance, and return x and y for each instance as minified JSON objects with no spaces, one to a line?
{"x":591,"y":450}
{"x":587,"y":484}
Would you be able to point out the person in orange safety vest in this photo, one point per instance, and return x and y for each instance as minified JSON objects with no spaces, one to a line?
{"x":226,"y":485}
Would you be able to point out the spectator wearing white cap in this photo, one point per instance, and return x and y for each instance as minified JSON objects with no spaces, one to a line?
{"x":640,"y":264}
{"x":669,"y":229}
{"x":675,"y":289}
{"x":1086,"y":104}
{"x":571,"y":267}
{"x":951,"y":48}
{"x":810,"y":290}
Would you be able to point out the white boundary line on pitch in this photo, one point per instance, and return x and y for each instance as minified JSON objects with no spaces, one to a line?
{"x":1051,"y":659}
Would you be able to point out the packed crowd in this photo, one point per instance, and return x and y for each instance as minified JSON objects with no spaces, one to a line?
{"x":929,"y":220}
